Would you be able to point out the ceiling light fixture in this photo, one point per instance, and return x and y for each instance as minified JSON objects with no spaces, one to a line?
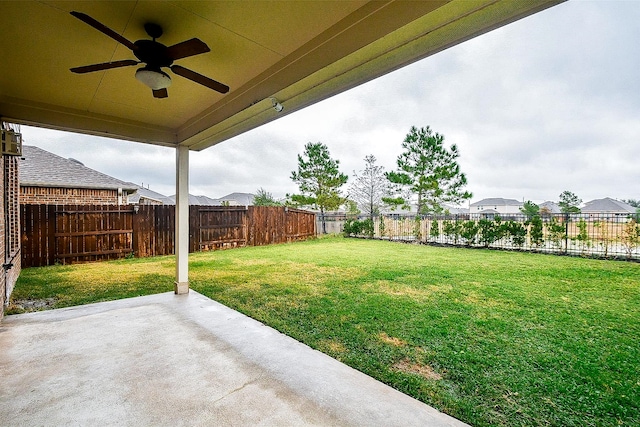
{"x":154,"y":78}
{"x":276,"y":105}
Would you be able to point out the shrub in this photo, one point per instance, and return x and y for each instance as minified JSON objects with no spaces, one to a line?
{"x":469,"y":232}
{"x":535,"y":230}
{"x":490,"y":231}
{"x":452,"y":230}
{"x":417,"y":227}
{"x":583,"y":236}
{"x":557,"y":232}
{"x":631,"y":237}
{"x":516,"y":231}
{"x":434,"y":231}
{"x":367,"y":227}
{"x":351,"y":227}
{"x":605,"y":239}
{"x":354,"y":227}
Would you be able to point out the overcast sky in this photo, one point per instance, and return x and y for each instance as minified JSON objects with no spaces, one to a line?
{"x":546,"y":104}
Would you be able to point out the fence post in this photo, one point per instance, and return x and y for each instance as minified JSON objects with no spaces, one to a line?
{"x":51,"y":234}
{"x":566,"y":232}
{"x":194,"y":228}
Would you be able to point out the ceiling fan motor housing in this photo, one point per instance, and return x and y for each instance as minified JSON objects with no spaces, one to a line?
{"x":152,"y":53}
{"x":154,"y":30}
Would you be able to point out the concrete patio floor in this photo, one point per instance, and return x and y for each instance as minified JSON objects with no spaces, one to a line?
{"x":181,"y":360}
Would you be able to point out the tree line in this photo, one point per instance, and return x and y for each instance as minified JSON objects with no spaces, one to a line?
{"x":426,"y":170}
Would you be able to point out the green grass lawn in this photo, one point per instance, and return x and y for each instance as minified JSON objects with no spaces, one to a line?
{"x":489,"y":337}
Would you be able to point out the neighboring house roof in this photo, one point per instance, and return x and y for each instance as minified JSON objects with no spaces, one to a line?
{"x":552,"y":207}
{"x":607,"y":205}
{"x":197,"y":200}
{"x":145,"y":193}
{"x":455,"y":210}
{"x":40,"y":168}
{"x":238,"y":199}
{"x":414,"y":208}
{"x":497,"y":201}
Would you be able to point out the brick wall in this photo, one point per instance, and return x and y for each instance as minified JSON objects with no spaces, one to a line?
{"x":68,"y":196}
{"x":3,"y":281}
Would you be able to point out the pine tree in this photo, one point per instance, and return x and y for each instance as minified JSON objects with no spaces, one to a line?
{"x":264,"y":198}
{"x":318,"y":179}
{"x":428,"y":170}
{"x":569,"y":202}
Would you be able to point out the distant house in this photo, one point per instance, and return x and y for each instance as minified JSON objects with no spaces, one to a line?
{"x":455,"y":210}
{"x":237,"y":199}
{"x":413,"y":209}
{"x":233,"y":199}
{"x":494,"y":206}
{"x":549,"y":207}
{"x":46,"y":178}
{"x":197,"y":200}
{"x":145,"y":196}
{"x":607,"y":207}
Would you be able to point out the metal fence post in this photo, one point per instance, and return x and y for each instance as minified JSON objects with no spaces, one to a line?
{"x":566,"y":232}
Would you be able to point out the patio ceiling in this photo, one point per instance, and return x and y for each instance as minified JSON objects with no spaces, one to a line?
{"x":297,"y":52}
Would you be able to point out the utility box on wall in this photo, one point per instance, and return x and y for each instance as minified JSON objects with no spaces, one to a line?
{"x":11,"y":143}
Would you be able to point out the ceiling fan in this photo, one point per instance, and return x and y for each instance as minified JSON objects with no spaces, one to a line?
{"x":155,"y":56}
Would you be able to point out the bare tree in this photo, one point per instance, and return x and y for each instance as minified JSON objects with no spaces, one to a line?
{"x":369,"y":187}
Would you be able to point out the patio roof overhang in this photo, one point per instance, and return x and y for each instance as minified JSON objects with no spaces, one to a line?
{"x":296,"y":52}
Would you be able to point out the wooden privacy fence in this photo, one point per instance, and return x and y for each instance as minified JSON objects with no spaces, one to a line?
{"x":68,"y":234}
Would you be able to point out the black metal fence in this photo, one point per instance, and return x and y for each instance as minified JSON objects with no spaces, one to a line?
{"x":601,"y":235}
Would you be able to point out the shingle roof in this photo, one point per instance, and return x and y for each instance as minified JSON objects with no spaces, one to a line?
{"x":607,"y":205}
{"x":198,"y":200}
{"x":240,"y":199}
{"x":40,"y":168}
{"x":551,"y":206}
{"x":497,"y":201}
{"x":455,"y":210}
{"x":142,"y":192}
{"x":413,"y":209}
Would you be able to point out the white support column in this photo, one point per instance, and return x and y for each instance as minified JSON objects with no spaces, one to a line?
{"x":182,"y":220}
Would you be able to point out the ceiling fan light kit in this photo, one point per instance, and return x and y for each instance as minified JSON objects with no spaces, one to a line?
{"x":154,"y":55}
{"x":155,"y":79}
